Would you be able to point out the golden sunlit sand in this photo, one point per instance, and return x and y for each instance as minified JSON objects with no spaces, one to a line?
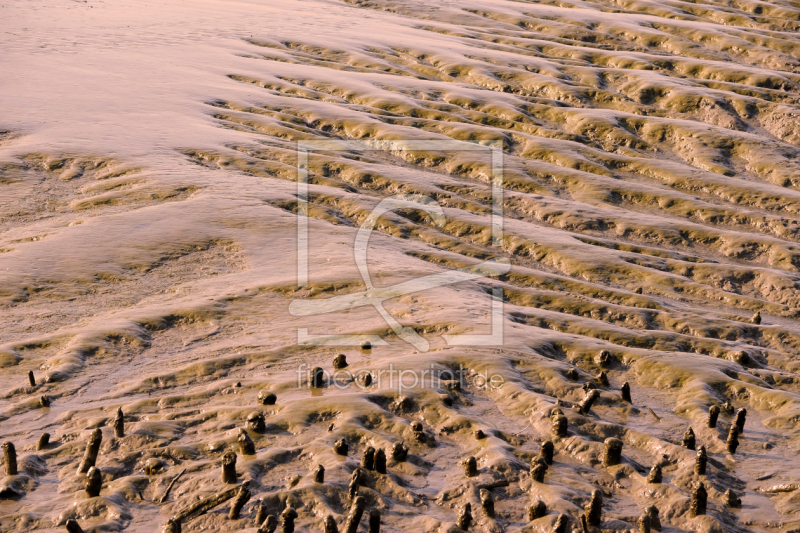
{"x":648,"y":377}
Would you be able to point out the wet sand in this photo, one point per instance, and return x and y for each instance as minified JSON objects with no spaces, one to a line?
{"x":149,"y":252}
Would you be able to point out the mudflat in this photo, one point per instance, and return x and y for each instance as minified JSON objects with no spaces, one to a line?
{"x":568,"y":229}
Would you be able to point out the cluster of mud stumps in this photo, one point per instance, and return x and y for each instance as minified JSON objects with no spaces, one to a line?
{"x":375,"y":460}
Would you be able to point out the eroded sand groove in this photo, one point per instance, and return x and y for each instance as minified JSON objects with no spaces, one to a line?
{"x":652,"y":209}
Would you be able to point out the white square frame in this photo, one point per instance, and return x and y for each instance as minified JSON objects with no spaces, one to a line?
{"x":495,"y":147}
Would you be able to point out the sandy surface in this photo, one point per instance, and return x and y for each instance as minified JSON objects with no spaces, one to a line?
{"x":149,"y":256}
